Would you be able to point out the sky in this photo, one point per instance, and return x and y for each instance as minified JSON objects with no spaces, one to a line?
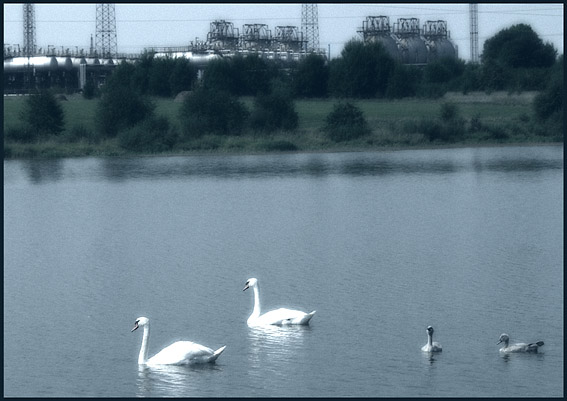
{"x":144,"y":25}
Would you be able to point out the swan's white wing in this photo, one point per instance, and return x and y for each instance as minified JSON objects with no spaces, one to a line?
{"x":283,"y":316}
{"x":182,"y":352}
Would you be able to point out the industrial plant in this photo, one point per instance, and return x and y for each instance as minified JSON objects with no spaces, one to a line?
{"x":29,"y":66}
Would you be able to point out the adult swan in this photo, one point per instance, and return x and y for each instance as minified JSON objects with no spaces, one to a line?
{"x":280,"y":316}
{"x":178,"y":353}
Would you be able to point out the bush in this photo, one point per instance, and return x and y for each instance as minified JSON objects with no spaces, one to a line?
{"x":90,"y":90}
{"x":549,"y":101}
{"x":448,"y":112}
{"x":274,"y":111}
{"x":345,"y":122}
{"x":430,"y":128}
{"x":280,"y":145}
{"x":43,"y":114}
{"x":153,"y":134}
{"x":22,"y":133}
{"x":80,"y":132}
{"x":475,"y":125}
{"x":212,"y":111}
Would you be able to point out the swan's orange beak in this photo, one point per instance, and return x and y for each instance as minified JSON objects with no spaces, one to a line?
{"x":135,"y":327}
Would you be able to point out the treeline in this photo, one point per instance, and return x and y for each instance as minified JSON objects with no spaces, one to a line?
{"x":514,"y":60}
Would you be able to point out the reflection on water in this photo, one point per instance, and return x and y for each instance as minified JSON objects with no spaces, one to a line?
{"x":465,"y":241}
{"x":272,"y":344}
{"x":428,"y":161}
{"x":171,"y":380}
{"x":507,"y":357}
{"x":40,"y":171}
{"x":431,"y":357}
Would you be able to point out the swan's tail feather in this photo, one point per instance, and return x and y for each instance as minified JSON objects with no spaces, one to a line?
{"x":218,"y":352}
{"x":539,"y":343}
{"x":307,"y":318}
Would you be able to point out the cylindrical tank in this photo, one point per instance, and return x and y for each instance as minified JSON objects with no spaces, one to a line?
{"x":65,"y":63}
{"x":77,"y":61}
{"x":92,"y":61}
{"x":39,"y":63}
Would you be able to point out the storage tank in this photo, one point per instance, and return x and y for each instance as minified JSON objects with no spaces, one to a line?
{"x":412,"y":46}
{"x":64,"y":62}
{"x":377,"y":29}
{"x":437,"y":40}
{"x":39,"y":63}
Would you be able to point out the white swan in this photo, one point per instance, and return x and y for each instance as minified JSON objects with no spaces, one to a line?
{"x":178,"y":353}
{"x":519,"y":347}
{"x":431,"y":346}
{"x":280,"y":316}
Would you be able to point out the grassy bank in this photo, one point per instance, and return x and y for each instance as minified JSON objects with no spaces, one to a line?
{"x":487,"y":119}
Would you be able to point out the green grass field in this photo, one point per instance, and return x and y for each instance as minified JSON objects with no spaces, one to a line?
{"x":387,"y":119}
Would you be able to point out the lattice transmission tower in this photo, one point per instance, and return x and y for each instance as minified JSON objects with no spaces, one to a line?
{"x":473,"y":13}
{"x":29,"y":30}
{"x":105,"y":36}
{"x":310,"y":26}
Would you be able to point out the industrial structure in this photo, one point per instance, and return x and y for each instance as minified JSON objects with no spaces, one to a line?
{"x":473,"y":14}
{"x":406,"y":42}
{"x":106,"y":44}
{"x":70,"y":68}
{"x":310,"y":26}
{"x":29,"y":30}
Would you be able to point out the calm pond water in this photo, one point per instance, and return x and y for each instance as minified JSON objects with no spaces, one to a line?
{"x":381,"y":244}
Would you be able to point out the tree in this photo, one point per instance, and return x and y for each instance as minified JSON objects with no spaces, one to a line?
{"x":362,"y":71}
{"x":212,"y":111}
{"x":548,"y":105}
{"x":219,"y":76}
{"x":121,"y":106}
{"x":43,"y":114}
{"x":182,"y":76}
{"x":311,"y":77}
{"x":158,"y":80}
{"x":253,"y":75}
{"x":141,"y":73}
{"x":402,"y":82}
{"x":518,"y":46}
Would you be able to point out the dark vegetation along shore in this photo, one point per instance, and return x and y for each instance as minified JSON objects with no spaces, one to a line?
{"x":362,"y":100}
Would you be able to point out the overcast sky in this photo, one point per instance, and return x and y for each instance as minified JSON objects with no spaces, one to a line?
{"x":144,"y":25}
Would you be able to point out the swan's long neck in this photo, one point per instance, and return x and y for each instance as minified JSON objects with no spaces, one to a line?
{"x":143,"y":357}
{"x":256,"y":312}
{"x":430,"y":339}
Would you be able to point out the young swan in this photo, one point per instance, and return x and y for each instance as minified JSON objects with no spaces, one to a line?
{"x":431,"y":346}
{"x":280,"y":316}
{"x":519,"y":347}
{"x":178,"y":353}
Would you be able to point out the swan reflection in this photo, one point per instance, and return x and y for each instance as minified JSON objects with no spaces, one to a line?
{"x":171,"y":380}
{"x":431,"y":358}
{"x":275,"y":342}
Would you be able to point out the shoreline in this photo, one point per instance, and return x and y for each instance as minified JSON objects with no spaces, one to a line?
{"x":483,"y":120}
{"x":314,"y":151}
